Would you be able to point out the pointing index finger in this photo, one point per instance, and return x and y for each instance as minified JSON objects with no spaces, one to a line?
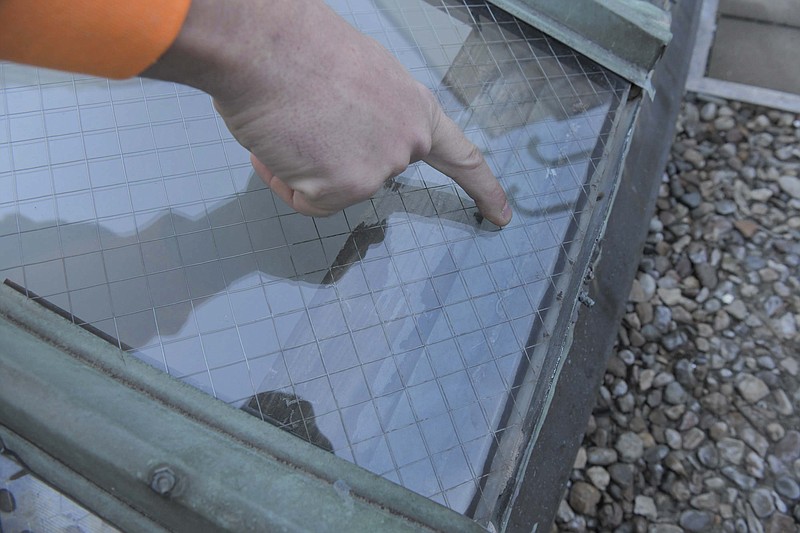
{"x":455,"y":156}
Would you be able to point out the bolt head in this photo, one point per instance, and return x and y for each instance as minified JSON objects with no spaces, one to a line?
{"x":163,"y":480}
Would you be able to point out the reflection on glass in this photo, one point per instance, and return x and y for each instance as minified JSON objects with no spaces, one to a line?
{"x":395,"y":334}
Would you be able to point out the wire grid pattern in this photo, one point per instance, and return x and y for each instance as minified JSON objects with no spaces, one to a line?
{"x":397,"y":329}
{"x":39,"y":507}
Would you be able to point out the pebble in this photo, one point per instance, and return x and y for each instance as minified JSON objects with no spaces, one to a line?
{"x":675,"y":393}
{"x":696,"y":520}
{"x":742,"y":480}
{"x":630,"y":447}
{"x":731,"y":450}
{"x":788,"y":448}
{"x":708,"y":112}
{"x":694,"y":157}
{"x":775,"y":431}
{"x":755,"y":440}
{"x":599,"y":477}
{"x":752,"y":388}
{"x":737,"y":309}
{"x":724,"y":123}
{"x":693,"y":438}
{"x":583,"y":498}
{"x":786,"y":326}
{"x":762,"y":502}
{"x":645,"y":506}
{"x":708,"y":456}
{"x":790,"y":185}
{"x":708,"y":501}
{"x":621,"y":474}
{"x":601,"y":456}
{"x":787,"y":487}
{"x":780,"y":523}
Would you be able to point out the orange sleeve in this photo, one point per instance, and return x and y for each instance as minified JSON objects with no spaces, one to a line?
{"x":110,"y":38}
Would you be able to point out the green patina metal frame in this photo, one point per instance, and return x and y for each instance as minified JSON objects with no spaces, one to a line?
{"x":625,"y":36}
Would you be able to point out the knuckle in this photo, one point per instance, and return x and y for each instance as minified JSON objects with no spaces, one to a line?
{"x":364,"y":189}
{"x":397,"y":168}
{"x":473,"y":160}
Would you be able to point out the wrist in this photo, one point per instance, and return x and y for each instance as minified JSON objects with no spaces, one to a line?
{"x":214,"y":52}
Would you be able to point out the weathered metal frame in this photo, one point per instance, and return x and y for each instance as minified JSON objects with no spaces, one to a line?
{"x":625,"y":36}
{"x":542,"y":481}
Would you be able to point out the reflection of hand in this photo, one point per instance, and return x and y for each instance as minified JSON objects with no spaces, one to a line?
{"x":327,"y":113}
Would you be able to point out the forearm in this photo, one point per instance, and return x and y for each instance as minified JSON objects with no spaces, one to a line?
{"x":227,"y":48}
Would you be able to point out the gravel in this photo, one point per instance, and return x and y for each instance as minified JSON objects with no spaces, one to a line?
{"x":697,"y":424}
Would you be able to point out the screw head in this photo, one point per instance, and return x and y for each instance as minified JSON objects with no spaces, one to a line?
{"x":163,"y":480}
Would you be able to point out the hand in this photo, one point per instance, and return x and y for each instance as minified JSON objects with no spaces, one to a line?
{"x":327,"y":113}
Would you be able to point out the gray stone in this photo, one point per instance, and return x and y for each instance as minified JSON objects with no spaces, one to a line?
{"x":694,"y":157}
{"x":692,"y":520}
{"x":662,"y":317}
{"x":716,"y":402}
{"x":708,"y":501}
{"x":724,"y":123}
{"x":752,"y":388}
{"x":675,"y":393}
{"x":755,"y":440}
{"x":737,"y":309}
{"x":786,"y":326}
{"x":707,"y":455}
{"x":775,"y":431}
{"x":646,"y":379}
{"x":670,"y":296}
{"x":707,"y":275}
{"x":622,"y":474}
{"x":610,"y":515}
{"x":583,"y":498}
{"x":646,"y":507}
{"x":742,"y":480}
{"x":626,"y":403}
{"x":688,"y":421}
{"x":762,"y":502}
{"x":731,"y":450}
{"x":674,"y":340}
{"x":780,"y":523}
{"x":599,"y":477}
{"x":664,"y":528}
{"x":709,"y":112}
{"x":725,"y":207}
{"x":643,"y":289}
{"x":601,"y":456}
{"x":790,"y":185}
{"x":630,"y":447}
{"x":787,"y":487}
{"x":656,"y":454}
{"x":684,"y":373}
{"x":788,"y":448}
{"x":580,"y":459}
{"x":753,"y":523}
{"x":673,"y":438}
{"x":663,"y":378}
{"x":564,"y":513}
{"x":754,"y":465}
{"x":693,"y":438}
